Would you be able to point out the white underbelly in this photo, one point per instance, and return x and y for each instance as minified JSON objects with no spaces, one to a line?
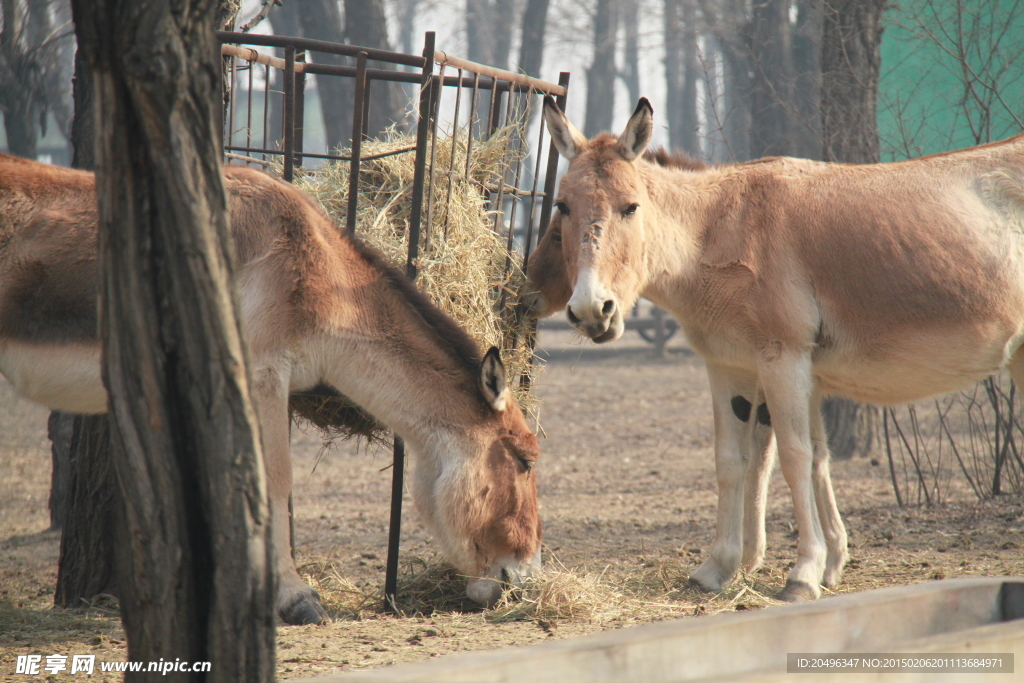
{"x":59,"y":376}
{"x":915,"y":371}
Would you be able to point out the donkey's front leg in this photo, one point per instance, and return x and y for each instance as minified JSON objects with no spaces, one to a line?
{"x":732,"y":398}
{"x":297,"y":603}
{"x":788,"y":385}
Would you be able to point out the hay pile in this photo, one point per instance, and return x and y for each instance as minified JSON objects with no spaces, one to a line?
{"x":559,"y":594}
{"x":462,"y":259}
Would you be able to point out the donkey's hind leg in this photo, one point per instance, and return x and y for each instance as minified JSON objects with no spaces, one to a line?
{"x":828,"y":513}
{"x":297,"y":603}
{"x":759,"y":472}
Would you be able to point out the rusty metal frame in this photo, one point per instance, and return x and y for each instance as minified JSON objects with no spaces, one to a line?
{"x":518,"y":88}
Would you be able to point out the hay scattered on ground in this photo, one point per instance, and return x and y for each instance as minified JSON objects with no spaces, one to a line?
{"x":557,"y":595}
{"x":463,"y":256}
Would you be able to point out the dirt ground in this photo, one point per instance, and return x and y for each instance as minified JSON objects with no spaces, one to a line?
{"x":628,"y":498}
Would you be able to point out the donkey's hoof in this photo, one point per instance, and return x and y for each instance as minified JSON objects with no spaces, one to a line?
{"x":694,"y":583}
{"x":302,"y":609}
{"x":797,"y":591}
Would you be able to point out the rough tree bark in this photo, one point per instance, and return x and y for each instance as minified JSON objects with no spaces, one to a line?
{"x":84,"y":493}
{"x":771,"y":96}
{"x":729,"y":25}
{"x":187,"y":457}
{"x":92,"y":532}
{"x":531,"y":47}
{"x":20,"y":86}
{"x":807,"y":79}
{"x":681,"y":75}
{"x":630,"y":72}
{"x":488,"y":30}
{"x":321,"y":20}
{"x":366,"y":25}
{"x":850,"y":66}
{"x":602,"y":72}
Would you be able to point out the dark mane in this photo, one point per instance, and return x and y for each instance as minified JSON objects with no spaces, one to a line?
{"x":680,"y":160}
{"x":462,"y":347}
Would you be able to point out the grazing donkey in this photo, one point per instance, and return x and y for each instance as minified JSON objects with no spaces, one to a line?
{"x":793,"y":279}
{"x":317,"y":309}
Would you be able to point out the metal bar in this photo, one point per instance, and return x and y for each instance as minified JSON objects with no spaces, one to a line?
{"x":357,"y":142}
{"x":526,"y":379}
{"x":520,"y":143}
{"x":266,"y":105}
{"x":320,"y":46}
{"x":398,"y":469}
{"x":435,"y":103}
{"x":252,"y":55}
{"x":366,"y":107}
{"x":300,"y":111}
{"x":289,"y":113}
{"x":495,"y":120}
{"x":394,"y":525}
{"x":420,"y":168}
{"x":472,"y":123}
{"x":451,"y":157}
{"x":402,"y":76}
{"x":231,"y":101}
{"x":552,"y":169}
{"x":248,"y":109}
{"x":528,"y":243}
{"x":520,"y":80}
{"x":494,"y":112}
{"x":313,"y":155}
{"x":526,"y":82}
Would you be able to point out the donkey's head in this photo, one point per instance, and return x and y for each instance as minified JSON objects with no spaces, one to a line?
{"x":600,"y":232}
{"x":548,"y":289}
{"x":480,"y":499}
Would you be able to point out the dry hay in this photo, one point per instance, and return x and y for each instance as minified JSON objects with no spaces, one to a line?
{"x":558,"y":594}
{"x":463,"y":259}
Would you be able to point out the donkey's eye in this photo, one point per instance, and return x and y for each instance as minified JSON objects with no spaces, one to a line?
{"x":630,"y":210}
{"x":563,"y":208}
{"x":527,"y":464}
{"x":556,"y":237}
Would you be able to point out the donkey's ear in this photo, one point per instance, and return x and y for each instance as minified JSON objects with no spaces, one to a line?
{"x":492,"y":380}
{"x":568,"y":141}
{"x":638,"y":130}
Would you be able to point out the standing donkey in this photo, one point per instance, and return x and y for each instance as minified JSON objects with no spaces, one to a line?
{"x":793,"y":279}
{"x":317,"y":308}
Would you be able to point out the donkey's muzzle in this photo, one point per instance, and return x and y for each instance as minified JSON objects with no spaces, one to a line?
{"x":504,"y":574}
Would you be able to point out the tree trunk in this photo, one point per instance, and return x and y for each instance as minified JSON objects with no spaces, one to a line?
{"x":631,"y":50}
{"x":406,"y":23}
{"x":187,"y":460}
{"x":81,"y":446}
{"x":59,"y":429}
{"x":531,"y":48}
{"x":807,"y":79}
{"x":321,"y":20}
{"x":771,"y":97}
{"x":602,"y":73}
{"x":850,"y":65}
{"x":285,"y":20}
{"x":480,"y":31}
{"x":366,"y":25}
{"x":88,"y":544}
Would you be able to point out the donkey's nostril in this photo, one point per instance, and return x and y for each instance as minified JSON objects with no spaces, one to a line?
{"x":572,"y":318}
{"x":608,"y":308}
